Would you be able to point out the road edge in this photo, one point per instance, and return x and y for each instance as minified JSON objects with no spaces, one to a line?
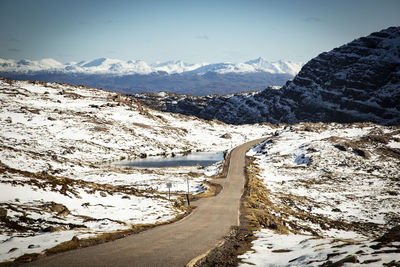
{"x":229,"y":248}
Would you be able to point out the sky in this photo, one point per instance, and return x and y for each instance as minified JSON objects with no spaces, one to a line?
{"x":192,"y":31}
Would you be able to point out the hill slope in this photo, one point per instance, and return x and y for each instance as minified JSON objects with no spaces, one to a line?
{"x":57,"y":143}
{"x":322,"y":194}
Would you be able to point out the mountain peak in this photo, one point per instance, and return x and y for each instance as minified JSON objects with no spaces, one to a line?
{"x":95,"y":63}
{"x":257,"y":60}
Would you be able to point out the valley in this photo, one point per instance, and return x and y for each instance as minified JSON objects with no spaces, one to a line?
{"x":310,"y":175}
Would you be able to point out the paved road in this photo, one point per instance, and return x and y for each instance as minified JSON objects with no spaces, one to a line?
{"x":173,"y":244}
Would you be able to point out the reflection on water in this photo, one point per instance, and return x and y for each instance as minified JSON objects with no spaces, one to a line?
{"x":193,"y":159}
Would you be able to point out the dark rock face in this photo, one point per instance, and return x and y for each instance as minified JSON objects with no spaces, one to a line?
{"x":359,"y":81}
{"x":239,"y":108}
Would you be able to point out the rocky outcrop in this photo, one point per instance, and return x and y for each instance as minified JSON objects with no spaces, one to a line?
{"x":359,"y":81}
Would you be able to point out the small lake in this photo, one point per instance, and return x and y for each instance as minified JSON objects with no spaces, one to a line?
{"x":193,"y":159}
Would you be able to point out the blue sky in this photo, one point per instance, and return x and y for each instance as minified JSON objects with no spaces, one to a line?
{"x":192,"y":31}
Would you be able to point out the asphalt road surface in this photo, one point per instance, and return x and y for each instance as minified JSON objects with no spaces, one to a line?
{"x":174,"y":244}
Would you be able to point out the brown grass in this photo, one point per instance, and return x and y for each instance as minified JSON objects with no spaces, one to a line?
{"x":175,"y":130}
{"x":213,"y":190}
{"x":257,"y":204}
{"x":145,"y":126}
{"x":100,"y":129}
{"x":31,"y":110}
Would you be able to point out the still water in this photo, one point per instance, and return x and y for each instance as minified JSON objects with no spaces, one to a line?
{"x":193,"y":159}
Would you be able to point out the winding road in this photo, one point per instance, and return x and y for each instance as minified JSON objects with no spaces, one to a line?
{"x":174,"y":244}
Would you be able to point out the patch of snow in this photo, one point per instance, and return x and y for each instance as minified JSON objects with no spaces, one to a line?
{"x":394,"y":144}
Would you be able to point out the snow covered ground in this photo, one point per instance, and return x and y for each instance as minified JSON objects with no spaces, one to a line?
{"x":329,"y":190}
{"x":56,"y":178}
{"x":273,"y":249}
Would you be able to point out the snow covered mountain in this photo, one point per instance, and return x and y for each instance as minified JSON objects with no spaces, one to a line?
{"x":359,"y":81}
{"x":175,"y":66}
{"x":120,"y":67}
{"x":130,"y":77}
{"x":25,"y":65}
{"x":256,"y":65}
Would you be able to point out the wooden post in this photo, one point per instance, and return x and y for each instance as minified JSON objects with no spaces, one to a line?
{"x":187,"y":195}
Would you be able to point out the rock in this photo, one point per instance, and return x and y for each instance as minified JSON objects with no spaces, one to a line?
{"x":393,"y":235}
{"x":12,"y":250}
{"x":75,"y":239}
{"x":3,"y":213}
{"x":59,"y":208}
{"x":49,"y":229}
{"x":340,"y":147}
{"x":226,"y":136}
{"x":349,"y":259}
{"x":362,"y":153}
{"x":103,"y":194}
{"x":63,"y":213}
{"x":126,"y":197}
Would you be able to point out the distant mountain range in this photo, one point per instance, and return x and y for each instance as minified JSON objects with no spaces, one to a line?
{"x":121,"y":67}
{"x":138,"y":76}
{"x":359,"y":81}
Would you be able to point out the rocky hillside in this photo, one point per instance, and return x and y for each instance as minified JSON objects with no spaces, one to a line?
{"x":234,"y":109}
{"x":359,"y":81}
